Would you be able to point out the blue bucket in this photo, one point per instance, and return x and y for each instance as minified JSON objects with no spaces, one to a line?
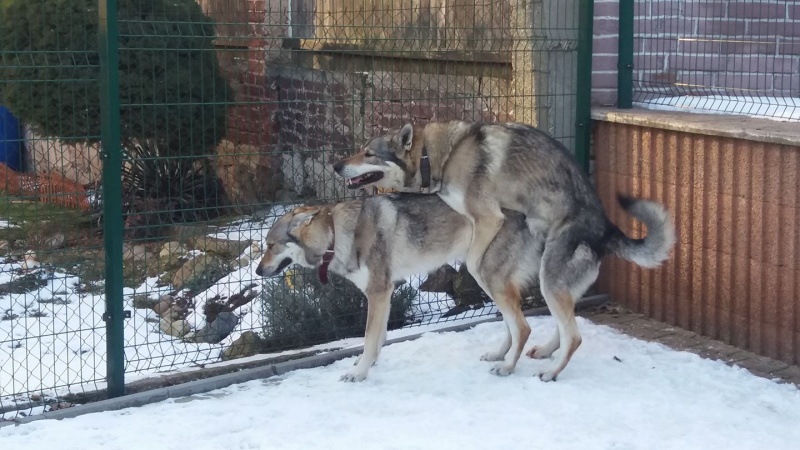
{"x":10,"y":140}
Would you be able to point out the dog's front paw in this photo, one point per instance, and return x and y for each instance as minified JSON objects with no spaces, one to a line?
{"x":492,"y":356}
{"x":358,"y":360}
{"x":502,"y":370}
{"x":353,"y":377}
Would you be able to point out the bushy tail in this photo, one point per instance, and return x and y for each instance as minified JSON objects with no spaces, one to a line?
{"x":654,"y":249}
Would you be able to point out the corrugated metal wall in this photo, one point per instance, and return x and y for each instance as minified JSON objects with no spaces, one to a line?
{"x":734,"y":272}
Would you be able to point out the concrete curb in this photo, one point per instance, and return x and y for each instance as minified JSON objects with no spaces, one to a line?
{"x":255,"y":373}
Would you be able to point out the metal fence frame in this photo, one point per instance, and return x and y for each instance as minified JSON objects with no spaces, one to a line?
{"x":729,"y":57}
{"x":114,"y":314}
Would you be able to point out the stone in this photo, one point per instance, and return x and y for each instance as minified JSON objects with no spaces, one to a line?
{"x":174,"y":312}
{"x":144,"y":301}
{"x":440,"y":280}
{"x":286,"y":196}
{"x":199,"y":272}
{"x":55,"y":241}
{"x":246,"y":175}
{"x":134,"y":253}
{"x":248,"y":344}
{"x":219,"y":329}
{"x":244,"y":261}
{"x":162,"y":307}
{"x":178,"y":328}
{"x":222,"y":247}
{"x":170,"y":254}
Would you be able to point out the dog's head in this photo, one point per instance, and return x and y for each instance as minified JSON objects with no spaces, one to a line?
{"x":386,"y":161}
{"x":298,"y":237}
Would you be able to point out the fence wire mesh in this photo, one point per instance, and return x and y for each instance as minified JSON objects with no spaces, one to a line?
{"x":230,"y":114}
{"x":729,"y":56}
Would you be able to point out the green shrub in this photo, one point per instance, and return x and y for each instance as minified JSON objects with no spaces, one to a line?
{"x":314,"y":313}
{"x":171,"y":87}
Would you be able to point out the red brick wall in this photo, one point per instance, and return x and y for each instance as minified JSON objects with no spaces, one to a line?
{"x":243,"y":43}
{"x":768,"y":63}
{"x":325,"y":114}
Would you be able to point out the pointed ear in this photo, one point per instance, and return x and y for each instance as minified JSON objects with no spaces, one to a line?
{"x":405,"y":137}
{"x":303,"y":217}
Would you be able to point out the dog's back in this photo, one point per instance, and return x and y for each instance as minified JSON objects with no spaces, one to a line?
{"x":420,"y":232}
{"x":416,"y":233}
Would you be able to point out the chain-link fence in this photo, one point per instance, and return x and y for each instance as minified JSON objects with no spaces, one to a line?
{"x":148,"y":146}
{"x":730,"y":56}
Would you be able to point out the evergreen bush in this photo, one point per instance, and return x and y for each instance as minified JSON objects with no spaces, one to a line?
{"x":172,"y":90}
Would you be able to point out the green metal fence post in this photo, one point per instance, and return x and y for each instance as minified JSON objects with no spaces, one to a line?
{"x":584,"y":90}
{"x":114,"y":316}
{"x":625,"y":64}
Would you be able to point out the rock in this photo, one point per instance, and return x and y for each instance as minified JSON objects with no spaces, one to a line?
{"x":29,"y":261}
{"x":178,"y":328}
{"x":135,"y":253}
{"x":217,"y":330}
{"x":162,"y":307}
{"x":244,"y":261}
{"x":286,"y":196}
{"x":55,"y":241}
{"x":143,"y":301}
{"x":248,"y":344}
{"x":174,"y":312}
{"x":440,"y":280}
{"x":35,"y":397}
{"x":171,"y":248}
{"x":222,"y":247}
{"x":246,"y":175}
{"x":170,"y":255}
{"x":199,"y":273}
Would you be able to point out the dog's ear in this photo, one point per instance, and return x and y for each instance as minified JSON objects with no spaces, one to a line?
{"x":405,"y":137}
{"x":302,"y":218}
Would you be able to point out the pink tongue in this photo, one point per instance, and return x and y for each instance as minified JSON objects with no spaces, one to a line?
{"x":354,"y":180}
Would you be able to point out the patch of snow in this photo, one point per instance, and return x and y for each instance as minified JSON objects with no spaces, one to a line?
{"x":434,"y":393}
{"x":775,"y":108}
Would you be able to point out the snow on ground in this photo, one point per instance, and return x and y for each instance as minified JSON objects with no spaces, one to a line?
{"x":434,"y":393}
{"x":776,"y":108}
{"x":63,"y":349}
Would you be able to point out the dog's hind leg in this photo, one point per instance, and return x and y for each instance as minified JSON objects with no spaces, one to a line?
{"x":509,"y":301}
{"x":485,"y":227}
{"x":378,"y":307}
{"x":564,"y":278}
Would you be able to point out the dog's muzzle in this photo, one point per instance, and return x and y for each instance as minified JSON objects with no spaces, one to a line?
{"x":363,"y":180}
{"x":277,"y":271}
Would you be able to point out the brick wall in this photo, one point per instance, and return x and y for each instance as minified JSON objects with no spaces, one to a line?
{"x":702,"y":47}
{"x":321,"y":115}
{"x":247,"y":31}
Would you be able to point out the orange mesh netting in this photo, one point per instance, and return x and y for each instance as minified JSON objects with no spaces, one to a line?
{"x":49,"y":188}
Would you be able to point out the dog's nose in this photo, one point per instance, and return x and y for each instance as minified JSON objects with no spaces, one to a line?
{"x":338,"y":166}
{"x":259,"y":271}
